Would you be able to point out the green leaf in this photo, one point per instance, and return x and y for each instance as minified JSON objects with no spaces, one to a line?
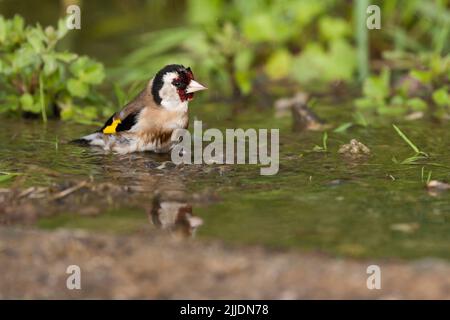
{"x":333,"y":28}
{"x":87,"y":70}
{"x":51,"y":37}
{"x":50,"y":64}
{"x":377,"y":87}
{"x":341,"y":62}
{"x":423,"y":76}
{"x":89,"y":112}
{"x":65,"y":56}
{"x":10,"y":102}
{"x":65,"y":104}
{"x":441,"y":97}
{"x":5,"y":176}
{"x":28,"y":104}
{"x":78,"y":66}
{"x":360,"y":119}
{"x":315,"y":64}
{"x":278,"y":65}
{"x":18,"y":23}
{"x":259,"y":27}
{"x":204,"y":11}
{"x":94,"y":74}
{"x":365,"y":103}
{"x":343,"y":127}
{"x":309,"y":65}
{"x":416,"y":104}
{"x":392,"y":110}
{"x":62,"y":28}
{"x":243,"y":59}
{"x":77,"y":88}
{"x":397,"y":100}
{"x":305,"y":11}
{"x":24,"y":57}
{"x":36,"y":38}
{"x":244,"y":81}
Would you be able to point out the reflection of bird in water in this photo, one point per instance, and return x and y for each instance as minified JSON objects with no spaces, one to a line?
{"x":172,"y":212}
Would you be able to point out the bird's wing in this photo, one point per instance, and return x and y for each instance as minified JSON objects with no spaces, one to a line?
{"x":125,"y":119}
{"x":115,"y":124}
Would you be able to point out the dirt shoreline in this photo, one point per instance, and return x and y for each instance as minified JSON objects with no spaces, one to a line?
{"x":155,"y":266}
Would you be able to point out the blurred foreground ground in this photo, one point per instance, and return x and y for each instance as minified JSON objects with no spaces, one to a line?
{"x":155,"y":266}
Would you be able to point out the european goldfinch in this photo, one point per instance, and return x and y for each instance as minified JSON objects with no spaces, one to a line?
{"x":149,"y":120}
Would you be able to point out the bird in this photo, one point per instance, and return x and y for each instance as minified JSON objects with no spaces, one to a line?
{"x":148,"y":122}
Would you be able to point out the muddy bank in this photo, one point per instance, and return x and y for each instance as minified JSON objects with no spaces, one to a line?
{"x":33,"y":265}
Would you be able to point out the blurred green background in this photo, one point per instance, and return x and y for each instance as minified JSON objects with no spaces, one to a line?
{"x":248,"y":51}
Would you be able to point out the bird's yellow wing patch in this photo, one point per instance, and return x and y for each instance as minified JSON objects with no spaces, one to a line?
{"x":111,"y":129}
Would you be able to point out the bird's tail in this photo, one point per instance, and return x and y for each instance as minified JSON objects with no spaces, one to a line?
{"x":81,"y":142}
{"x":94,"y":139}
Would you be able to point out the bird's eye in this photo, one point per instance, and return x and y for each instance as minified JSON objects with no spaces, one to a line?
{"x":178,"y":84}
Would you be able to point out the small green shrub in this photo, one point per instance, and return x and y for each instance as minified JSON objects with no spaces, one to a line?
{"x":37,"y":79}
{"x":423,"y":87}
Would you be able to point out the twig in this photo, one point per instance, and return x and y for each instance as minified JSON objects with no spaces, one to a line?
{"x":70,"y":190}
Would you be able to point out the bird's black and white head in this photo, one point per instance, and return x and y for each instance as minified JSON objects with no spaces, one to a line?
{"x":174,"y":86}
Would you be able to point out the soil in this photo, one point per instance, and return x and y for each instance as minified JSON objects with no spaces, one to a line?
{"x":159,"y":266}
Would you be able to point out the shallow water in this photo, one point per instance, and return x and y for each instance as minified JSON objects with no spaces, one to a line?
{"x":318,"y":201}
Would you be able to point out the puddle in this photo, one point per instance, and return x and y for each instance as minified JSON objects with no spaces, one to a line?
{"x":319,"y":201}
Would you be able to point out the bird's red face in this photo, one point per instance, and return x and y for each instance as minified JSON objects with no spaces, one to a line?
{"x":181,"y":83}
{"x":186,"y":85}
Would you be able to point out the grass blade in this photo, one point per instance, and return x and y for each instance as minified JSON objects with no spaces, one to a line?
{"x":324,"y":141}
{"x":41,"y":96}
{"x":5,"y":176}
{"x":406,"y":139}
{"x":429,"y":177}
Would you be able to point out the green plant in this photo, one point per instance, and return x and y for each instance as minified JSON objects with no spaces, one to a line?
{"x":428,"y":179}
{"x":424,"y":87}
{"x":405,"y":33}
{"x":37,"y":79}
{"x":343,"y":127}
{"x":324,"y":147}
{"x":6,"y":176}
{"x":240,"y":45}
{"x":418,"y":154}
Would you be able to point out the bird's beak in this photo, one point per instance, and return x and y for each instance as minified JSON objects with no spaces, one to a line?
{"x":195,"y":86}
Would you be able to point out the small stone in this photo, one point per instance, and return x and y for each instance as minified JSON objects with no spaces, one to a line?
{"x":354,"y":148}
{"x":435,"y":187}
{"x":438,"y":185}
{"x":166,"y":165}
{"x":414,"y":116}
{"x":405,"y":227}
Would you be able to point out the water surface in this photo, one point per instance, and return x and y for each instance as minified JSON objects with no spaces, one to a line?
{"x":319,"y":201}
